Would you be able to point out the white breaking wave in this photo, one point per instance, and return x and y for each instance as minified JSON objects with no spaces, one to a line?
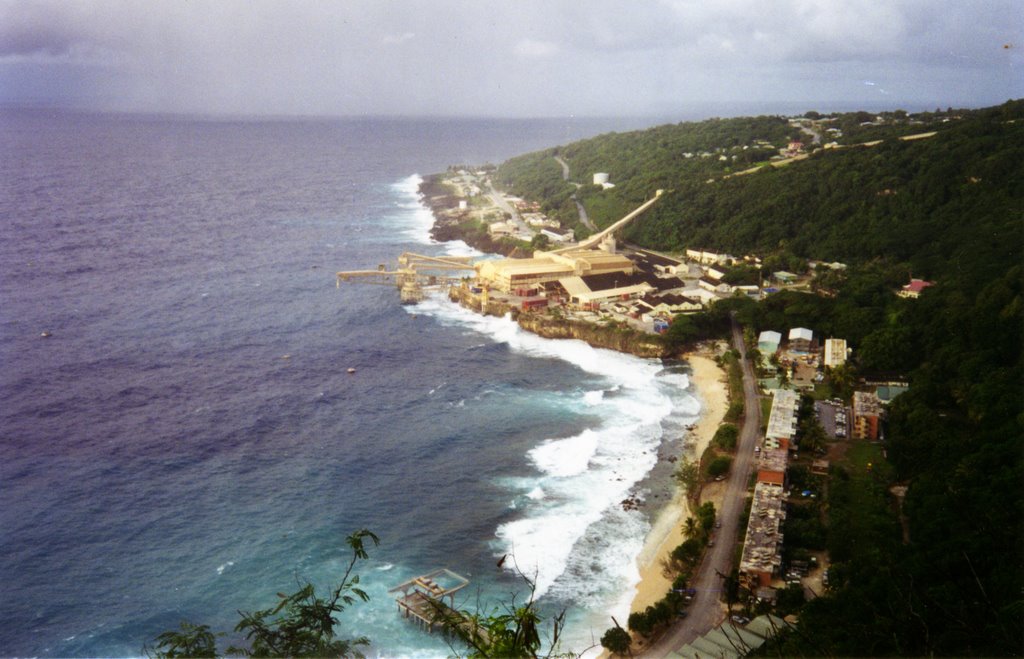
{"x":418,"y":219}
{"x":571,"y":534}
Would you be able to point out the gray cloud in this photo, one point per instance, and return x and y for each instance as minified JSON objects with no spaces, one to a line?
{"x":508,"y":59}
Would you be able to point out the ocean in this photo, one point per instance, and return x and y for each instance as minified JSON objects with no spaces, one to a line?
{"x":187,"y":442}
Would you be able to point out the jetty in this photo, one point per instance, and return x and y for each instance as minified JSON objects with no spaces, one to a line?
{"x":422,"y":599}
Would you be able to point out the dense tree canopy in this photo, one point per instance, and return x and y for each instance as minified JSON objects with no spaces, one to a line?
{"x":948,"y":208}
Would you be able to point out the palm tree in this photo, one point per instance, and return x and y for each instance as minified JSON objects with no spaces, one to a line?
{"x":690,"y":527}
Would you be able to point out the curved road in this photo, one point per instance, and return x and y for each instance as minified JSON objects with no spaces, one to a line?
{"x":705,"y":611}
{"x":584,"y":219}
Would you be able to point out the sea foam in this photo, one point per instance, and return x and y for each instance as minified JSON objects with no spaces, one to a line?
{"x":417,"y":219}
{"x":576,"y":541}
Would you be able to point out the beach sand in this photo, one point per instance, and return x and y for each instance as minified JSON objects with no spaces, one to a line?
{"x":666,"y":533}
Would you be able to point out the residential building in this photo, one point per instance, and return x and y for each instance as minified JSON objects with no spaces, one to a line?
{"x":768,"y":342}
{"x":800,"y":339}
{"x":835,"y":352}
{"x":782,"y":420}
{"x":914,"y":288}
{"x":762,"y":546}
{"x":867,"y":413}
{"x":771,"y":466}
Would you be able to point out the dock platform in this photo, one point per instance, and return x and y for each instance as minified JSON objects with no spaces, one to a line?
{"x":422,"y":598}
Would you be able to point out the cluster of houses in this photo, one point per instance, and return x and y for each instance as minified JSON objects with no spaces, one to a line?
{"x":761,"y":562}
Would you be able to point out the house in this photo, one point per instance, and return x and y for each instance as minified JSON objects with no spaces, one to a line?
{"x":914,"y":288}
{"x":784,"y":277}
{"x":768,"y":342}
{"x":800,"y":339}
{"x":835,"y":352}
{"x":867,"y":412}
{"x":501,"y":229}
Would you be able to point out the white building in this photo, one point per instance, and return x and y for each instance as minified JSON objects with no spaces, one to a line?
{"x":768,"y":342}
{"x":800,"y":339}
{"x":835,"y":352}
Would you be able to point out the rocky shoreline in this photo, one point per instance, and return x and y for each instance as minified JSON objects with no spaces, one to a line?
{"x":453,"y":223}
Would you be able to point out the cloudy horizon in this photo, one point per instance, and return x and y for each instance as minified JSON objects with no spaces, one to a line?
{"x":521,"y":59}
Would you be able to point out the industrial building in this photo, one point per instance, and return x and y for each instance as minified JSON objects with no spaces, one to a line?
{"x":505,"y":275}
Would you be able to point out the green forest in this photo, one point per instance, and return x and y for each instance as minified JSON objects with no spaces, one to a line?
{"x":948,"y":208}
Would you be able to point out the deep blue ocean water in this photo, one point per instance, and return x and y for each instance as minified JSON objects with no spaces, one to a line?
{"x":187,"y":441}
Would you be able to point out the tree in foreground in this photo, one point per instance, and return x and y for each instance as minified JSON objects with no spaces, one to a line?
{"x":301,"y":625}
{"x":510,"y":631}
{"x":617,"y":640}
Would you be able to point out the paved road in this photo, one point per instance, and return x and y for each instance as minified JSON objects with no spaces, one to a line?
{"x":584,"y":218}
{"x":706,"y":610}
{"x":502,"y":204}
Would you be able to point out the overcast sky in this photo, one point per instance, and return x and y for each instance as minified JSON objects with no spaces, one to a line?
{"x":512,"y":58}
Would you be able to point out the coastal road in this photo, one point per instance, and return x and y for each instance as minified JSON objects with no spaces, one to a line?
{"x":706,"y":609}
{"x":502,"y":204}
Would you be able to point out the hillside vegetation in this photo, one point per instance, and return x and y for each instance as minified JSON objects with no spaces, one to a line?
{"x":948,"y":208}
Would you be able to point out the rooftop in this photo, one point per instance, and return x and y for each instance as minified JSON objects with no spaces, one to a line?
{"x":866,"y":403}
{"x":800,"y":333}
{"x":763,"y":542}
{"x":782,"y":420}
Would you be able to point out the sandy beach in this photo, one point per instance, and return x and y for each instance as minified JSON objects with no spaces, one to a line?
{"x":666,"y":534}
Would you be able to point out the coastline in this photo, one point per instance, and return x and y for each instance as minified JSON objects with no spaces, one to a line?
{"x":667,"y":530}
{"x":708,"y":378}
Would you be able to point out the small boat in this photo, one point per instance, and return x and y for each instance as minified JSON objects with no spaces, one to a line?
{"x":45,"y":335}
{"x":351,"y":370}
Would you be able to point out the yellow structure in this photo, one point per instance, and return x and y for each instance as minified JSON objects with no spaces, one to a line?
{"x":506,"y":275}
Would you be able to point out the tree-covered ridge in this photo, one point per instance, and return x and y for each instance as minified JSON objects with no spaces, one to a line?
{"x":640,"y":161}
{"x":930,"y":203}
{"x":926,"y":202}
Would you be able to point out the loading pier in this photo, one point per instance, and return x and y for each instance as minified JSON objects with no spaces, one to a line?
{"x":422,"y":599}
